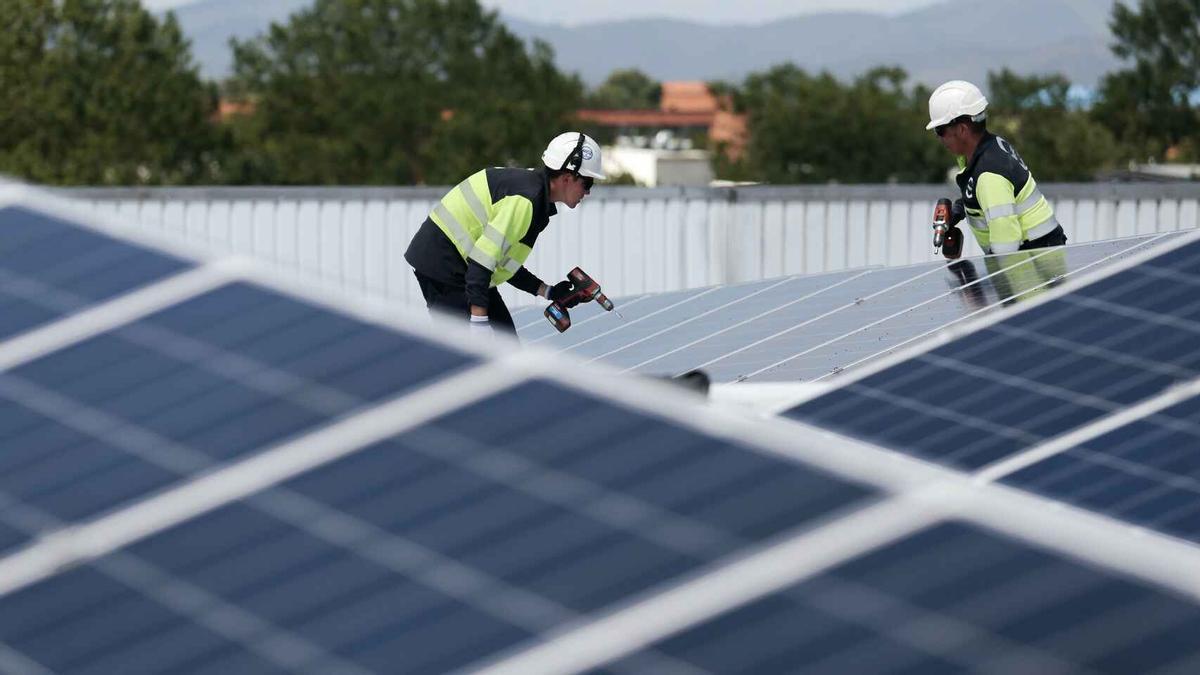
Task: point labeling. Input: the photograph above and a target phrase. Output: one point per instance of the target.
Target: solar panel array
(1088, 397)
(809, 328)
(213, 472)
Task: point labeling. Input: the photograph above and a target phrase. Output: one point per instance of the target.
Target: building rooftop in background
(685, 106)
(688, 97)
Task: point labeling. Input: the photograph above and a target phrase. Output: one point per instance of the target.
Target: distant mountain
(964, 38)
(210, 24)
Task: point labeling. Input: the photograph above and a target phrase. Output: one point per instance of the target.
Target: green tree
(100, 92)
(1150, 106)
(1059, 142)
(629, 89)
(394, 91)
(812, 129)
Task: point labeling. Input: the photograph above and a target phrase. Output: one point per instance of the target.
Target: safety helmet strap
(574, 161)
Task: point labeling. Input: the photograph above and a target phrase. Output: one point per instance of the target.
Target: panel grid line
(831, 312)
(986, 319)
(246, 477)
(946, 294)
(690, 319)
(1078, 437)
(974, 315)
(748, 321)
(930, 632)
(581, 496)
(624, 304)
(623, 630)
(238, 625)
(112, 314)
(638, 320)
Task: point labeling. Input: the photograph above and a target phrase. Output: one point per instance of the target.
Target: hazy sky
(709, 11)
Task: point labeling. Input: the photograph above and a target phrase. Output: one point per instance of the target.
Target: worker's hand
(952, 244)
(561, 291)
(479, 328)
(957, 212)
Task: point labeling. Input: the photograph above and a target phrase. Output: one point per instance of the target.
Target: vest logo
(969, 191)
(587, 153)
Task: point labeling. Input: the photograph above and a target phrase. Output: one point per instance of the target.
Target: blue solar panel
(950, 599)
(431, 550)
(1034, 375)
(50, 267)
(129, 411)
(1147, 472)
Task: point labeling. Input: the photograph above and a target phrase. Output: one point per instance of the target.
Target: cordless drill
(585, 289)
(946, 235)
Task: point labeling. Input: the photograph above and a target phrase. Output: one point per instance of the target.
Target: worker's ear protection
(574, 161)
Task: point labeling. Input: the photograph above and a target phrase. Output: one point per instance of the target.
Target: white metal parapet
(634, 240)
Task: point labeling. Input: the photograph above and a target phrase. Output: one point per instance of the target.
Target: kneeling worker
(1000, 199)
(482, 231)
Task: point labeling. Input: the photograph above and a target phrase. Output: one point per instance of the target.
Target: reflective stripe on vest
(457, 230)
(463, 237)
(1042, 229)
(1000, 211)
(1029, 202)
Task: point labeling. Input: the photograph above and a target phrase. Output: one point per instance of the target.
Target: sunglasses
(588, 182)
(941, 131)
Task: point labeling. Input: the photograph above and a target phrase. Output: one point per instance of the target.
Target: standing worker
(482, 231)
(1000, 199)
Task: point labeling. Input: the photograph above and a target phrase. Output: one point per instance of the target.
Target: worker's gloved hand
(563, 290)
(952, 244)
(479, 328)
(957, 212)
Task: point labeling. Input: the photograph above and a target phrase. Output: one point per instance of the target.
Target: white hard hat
(574, 151)
(953, 100)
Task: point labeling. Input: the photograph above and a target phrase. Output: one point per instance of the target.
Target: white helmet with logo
(955, 99)
(574, 151)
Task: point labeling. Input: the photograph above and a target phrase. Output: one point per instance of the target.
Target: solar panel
(218, 473)
(1031, 375)
(481, 542)
(138, 407)
(50, 267)
(810, 328)
(1145, 472)
(951, 598)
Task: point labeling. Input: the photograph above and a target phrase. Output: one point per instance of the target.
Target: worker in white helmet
(1000, 199)
(481, 232)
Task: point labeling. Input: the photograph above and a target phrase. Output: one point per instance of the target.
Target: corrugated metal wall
(633, 240)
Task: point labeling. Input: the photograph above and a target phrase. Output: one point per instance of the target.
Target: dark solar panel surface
(1033, 375)
(1146, 473)
(951, 599)
(50, 268)
(132, 410)
(429, 551)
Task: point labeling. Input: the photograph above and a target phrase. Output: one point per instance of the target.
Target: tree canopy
(1151, 105)
(101, 92)
(394, 92)
(626, 89)
(811, 128)
(1059, 141)
(426, 91)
